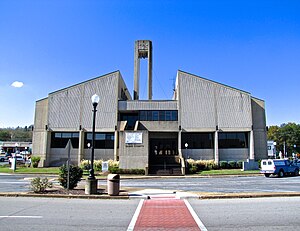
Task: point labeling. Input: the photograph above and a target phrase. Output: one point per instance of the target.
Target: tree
(286, 137)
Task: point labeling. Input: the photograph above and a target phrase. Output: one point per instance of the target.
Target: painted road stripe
(135, 216)
(21, 217)
(195, 216)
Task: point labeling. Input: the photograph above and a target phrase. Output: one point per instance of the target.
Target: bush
(85, 164)
(223, 164)
(232, 164)
(35, 161)
(40, 184)
(116, 170)
(75, 176)
(98, 165)
(239, 164)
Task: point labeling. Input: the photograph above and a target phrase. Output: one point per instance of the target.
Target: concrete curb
(69, 196)
(126, 196)
(248, 195)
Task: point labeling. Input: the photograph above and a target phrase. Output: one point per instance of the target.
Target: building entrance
(163, 154)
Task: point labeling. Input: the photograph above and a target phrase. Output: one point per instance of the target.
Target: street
(233, 184)
(78, 214)
(259, 214)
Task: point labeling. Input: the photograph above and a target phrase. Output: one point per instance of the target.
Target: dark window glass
(143, 115)
(149, 116)
(102, 140)
(162, 115)
(174, 116)
(168, 115)
(60, 139)
(155, 115)
(197, 140)
(233, 140)
(131, 118)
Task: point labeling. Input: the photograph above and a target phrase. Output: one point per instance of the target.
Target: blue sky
(250, 45)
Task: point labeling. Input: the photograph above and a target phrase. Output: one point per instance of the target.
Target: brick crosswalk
(165, 213)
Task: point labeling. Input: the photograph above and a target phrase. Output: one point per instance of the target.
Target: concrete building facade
(204, 120)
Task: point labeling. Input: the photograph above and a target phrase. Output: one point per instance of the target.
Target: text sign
(133, 137)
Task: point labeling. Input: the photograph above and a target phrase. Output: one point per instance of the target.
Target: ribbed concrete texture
(165, 213)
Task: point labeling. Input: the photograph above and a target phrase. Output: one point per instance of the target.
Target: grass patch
(228, 172)
(50, 170)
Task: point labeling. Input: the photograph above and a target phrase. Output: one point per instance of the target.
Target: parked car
(279, 167)
(19, 158)
(2, 158)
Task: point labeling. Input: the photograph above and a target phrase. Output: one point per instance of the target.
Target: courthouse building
(204, 120)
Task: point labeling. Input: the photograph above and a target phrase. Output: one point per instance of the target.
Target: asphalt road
(77, 214)
(236, 184)
(259, 214)
(65, 214)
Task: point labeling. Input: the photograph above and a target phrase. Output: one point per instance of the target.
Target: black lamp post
(95, 101)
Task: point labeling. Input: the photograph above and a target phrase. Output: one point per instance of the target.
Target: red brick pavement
(165, 213)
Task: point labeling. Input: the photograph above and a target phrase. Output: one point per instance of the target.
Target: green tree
(286, 135)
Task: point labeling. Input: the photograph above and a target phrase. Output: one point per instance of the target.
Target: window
(233, 140)
(158, 115)
(60, 139)
(102, 140)
(197, 140)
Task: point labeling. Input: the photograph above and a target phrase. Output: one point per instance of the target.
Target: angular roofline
(258, 98)
(85, 82)
(208, 80)
(41, 99)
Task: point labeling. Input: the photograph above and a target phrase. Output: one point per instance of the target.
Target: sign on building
(133, 137)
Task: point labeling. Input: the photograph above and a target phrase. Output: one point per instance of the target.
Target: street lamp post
(91, 185)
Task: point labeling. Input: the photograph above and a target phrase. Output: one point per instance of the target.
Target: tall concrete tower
(142, 50)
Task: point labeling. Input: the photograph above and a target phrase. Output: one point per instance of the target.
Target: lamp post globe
(95, 99)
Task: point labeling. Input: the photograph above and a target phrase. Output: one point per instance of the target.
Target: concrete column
(179, 144)
(116, 141)
(216, 151)
(251, 147)
(45, 150)
(136, 72)
(150, 71)
(80, 147)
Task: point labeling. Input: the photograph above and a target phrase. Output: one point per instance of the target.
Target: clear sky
(47, 45)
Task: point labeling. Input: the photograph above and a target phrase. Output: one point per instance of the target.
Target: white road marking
(195, 216)
(21, 217)
(135, 216)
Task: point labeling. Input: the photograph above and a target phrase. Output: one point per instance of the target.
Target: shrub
(223, 164)
(239, 164)
(75, 176)
(136, 171)
(232, 164)
(35, 161)
(40, 184)
(201, 164)
(85, 164)
(98, 165)
(112, 164)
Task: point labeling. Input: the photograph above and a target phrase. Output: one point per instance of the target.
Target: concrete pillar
(142, 49)
(179, 144)
(116, 141)
(216, 151)
(150, 71)
(80, 147)
(46, 150)
(251, 147)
